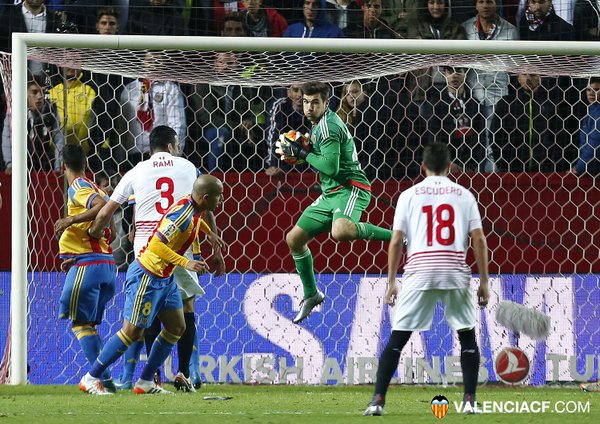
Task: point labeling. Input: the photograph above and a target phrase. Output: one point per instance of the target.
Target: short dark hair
(108, 11)
(236, 17)
(161, 137)
(74, 157)
(35, 80)
(312, 88)
(436, 157)
(594, 80)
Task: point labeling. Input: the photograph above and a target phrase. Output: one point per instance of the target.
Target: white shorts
(187, 281)
(415, 308)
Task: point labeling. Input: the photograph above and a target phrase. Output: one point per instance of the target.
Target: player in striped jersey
(150, 290)
(90, 267)
(438, 218)
(346, 191)
(153, 185)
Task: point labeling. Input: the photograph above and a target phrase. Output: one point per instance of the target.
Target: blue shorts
(88, 288)
(147, 295)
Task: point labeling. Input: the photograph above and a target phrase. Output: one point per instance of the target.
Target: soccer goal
(541, 219)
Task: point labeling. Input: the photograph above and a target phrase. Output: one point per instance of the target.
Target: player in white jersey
(155, 184)
(438, 218)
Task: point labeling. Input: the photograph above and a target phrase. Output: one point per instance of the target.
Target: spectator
(563, 8)
(362, 110)
(314, 24)
(231, 118)
(263, 21)
(155, 17)
(285, 114)
(488, 87)
(343, 13)
(76, 116)
(456, 121)
(540, 22)
(106, 106)
(234, 25)
(589, 136)
(44, 137)
(30, 16)
(84, 13)
(586, 20)
(529, 130)
(147, 104)
(398, 12)
(372, 25)
(432, 22)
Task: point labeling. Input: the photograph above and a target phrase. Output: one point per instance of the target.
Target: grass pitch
(283, 404)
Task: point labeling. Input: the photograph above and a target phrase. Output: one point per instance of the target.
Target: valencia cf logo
(512, 365)
(439, 406)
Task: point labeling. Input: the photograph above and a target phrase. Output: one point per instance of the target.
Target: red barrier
(536, 223)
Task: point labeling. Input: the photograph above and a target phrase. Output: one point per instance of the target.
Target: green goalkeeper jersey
(334, 154)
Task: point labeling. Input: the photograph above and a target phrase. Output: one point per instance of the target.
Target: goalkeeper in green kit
(346, 191)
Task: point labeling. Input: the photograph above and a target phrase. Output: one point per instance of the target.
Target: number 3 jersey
(436, 217)
(154, 185)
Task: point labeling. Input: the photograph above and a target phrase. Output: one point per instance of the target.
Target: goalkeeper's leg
(297, 240)
(469, 363)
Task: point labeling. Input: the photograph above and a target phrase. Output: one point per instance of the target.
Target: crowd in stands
(493, 121)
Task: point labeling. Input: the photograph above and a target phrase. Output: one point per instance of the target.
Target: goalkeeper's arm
(326, 162)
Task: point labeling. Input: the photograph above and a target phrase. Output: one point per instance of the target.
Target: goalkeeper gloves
(291, 149)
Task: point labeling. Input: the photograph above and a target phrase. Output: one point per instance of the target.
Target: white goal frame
(22, 41)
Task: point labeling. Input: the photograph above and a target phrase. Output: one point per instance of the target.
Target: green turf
(276, 404)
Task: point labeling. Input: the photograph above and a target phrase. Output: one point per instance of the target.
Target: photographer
(45, 140)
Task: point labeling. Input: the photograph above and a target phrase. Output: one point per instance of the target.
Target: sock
(195, 358)
(469, 361)
(162, 347)
(185, 345)
(368, 231)
(388, 363)
(113, 349)
(90, 343)
(131, 358)
(304, 266)
(151, 334)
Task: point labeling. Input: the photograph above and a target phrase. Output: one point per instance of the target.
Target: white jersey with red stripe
(154, 185)
(436, 217)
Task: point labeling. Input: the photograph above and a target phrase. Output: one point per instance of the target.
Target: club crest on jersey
(169, 230)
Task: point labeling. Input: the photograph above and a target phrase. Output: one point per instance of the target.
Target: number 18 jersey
(154, 185)
(436, 216)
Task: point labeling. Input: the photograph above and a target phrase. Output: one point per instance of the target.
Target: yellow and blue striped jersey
(74, 241)
(177, 229)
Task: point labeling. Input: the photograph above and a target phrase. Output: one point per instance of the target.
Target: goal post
(371, 59)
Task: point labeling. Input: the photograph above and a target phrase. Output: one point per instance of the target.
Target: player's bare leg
(297, 240)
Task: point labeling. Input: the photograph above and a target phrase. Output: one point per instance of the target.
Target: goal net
(230, 99)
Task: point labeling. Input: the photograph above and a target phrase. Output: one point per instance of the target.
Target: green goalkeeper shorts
(348, 202)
